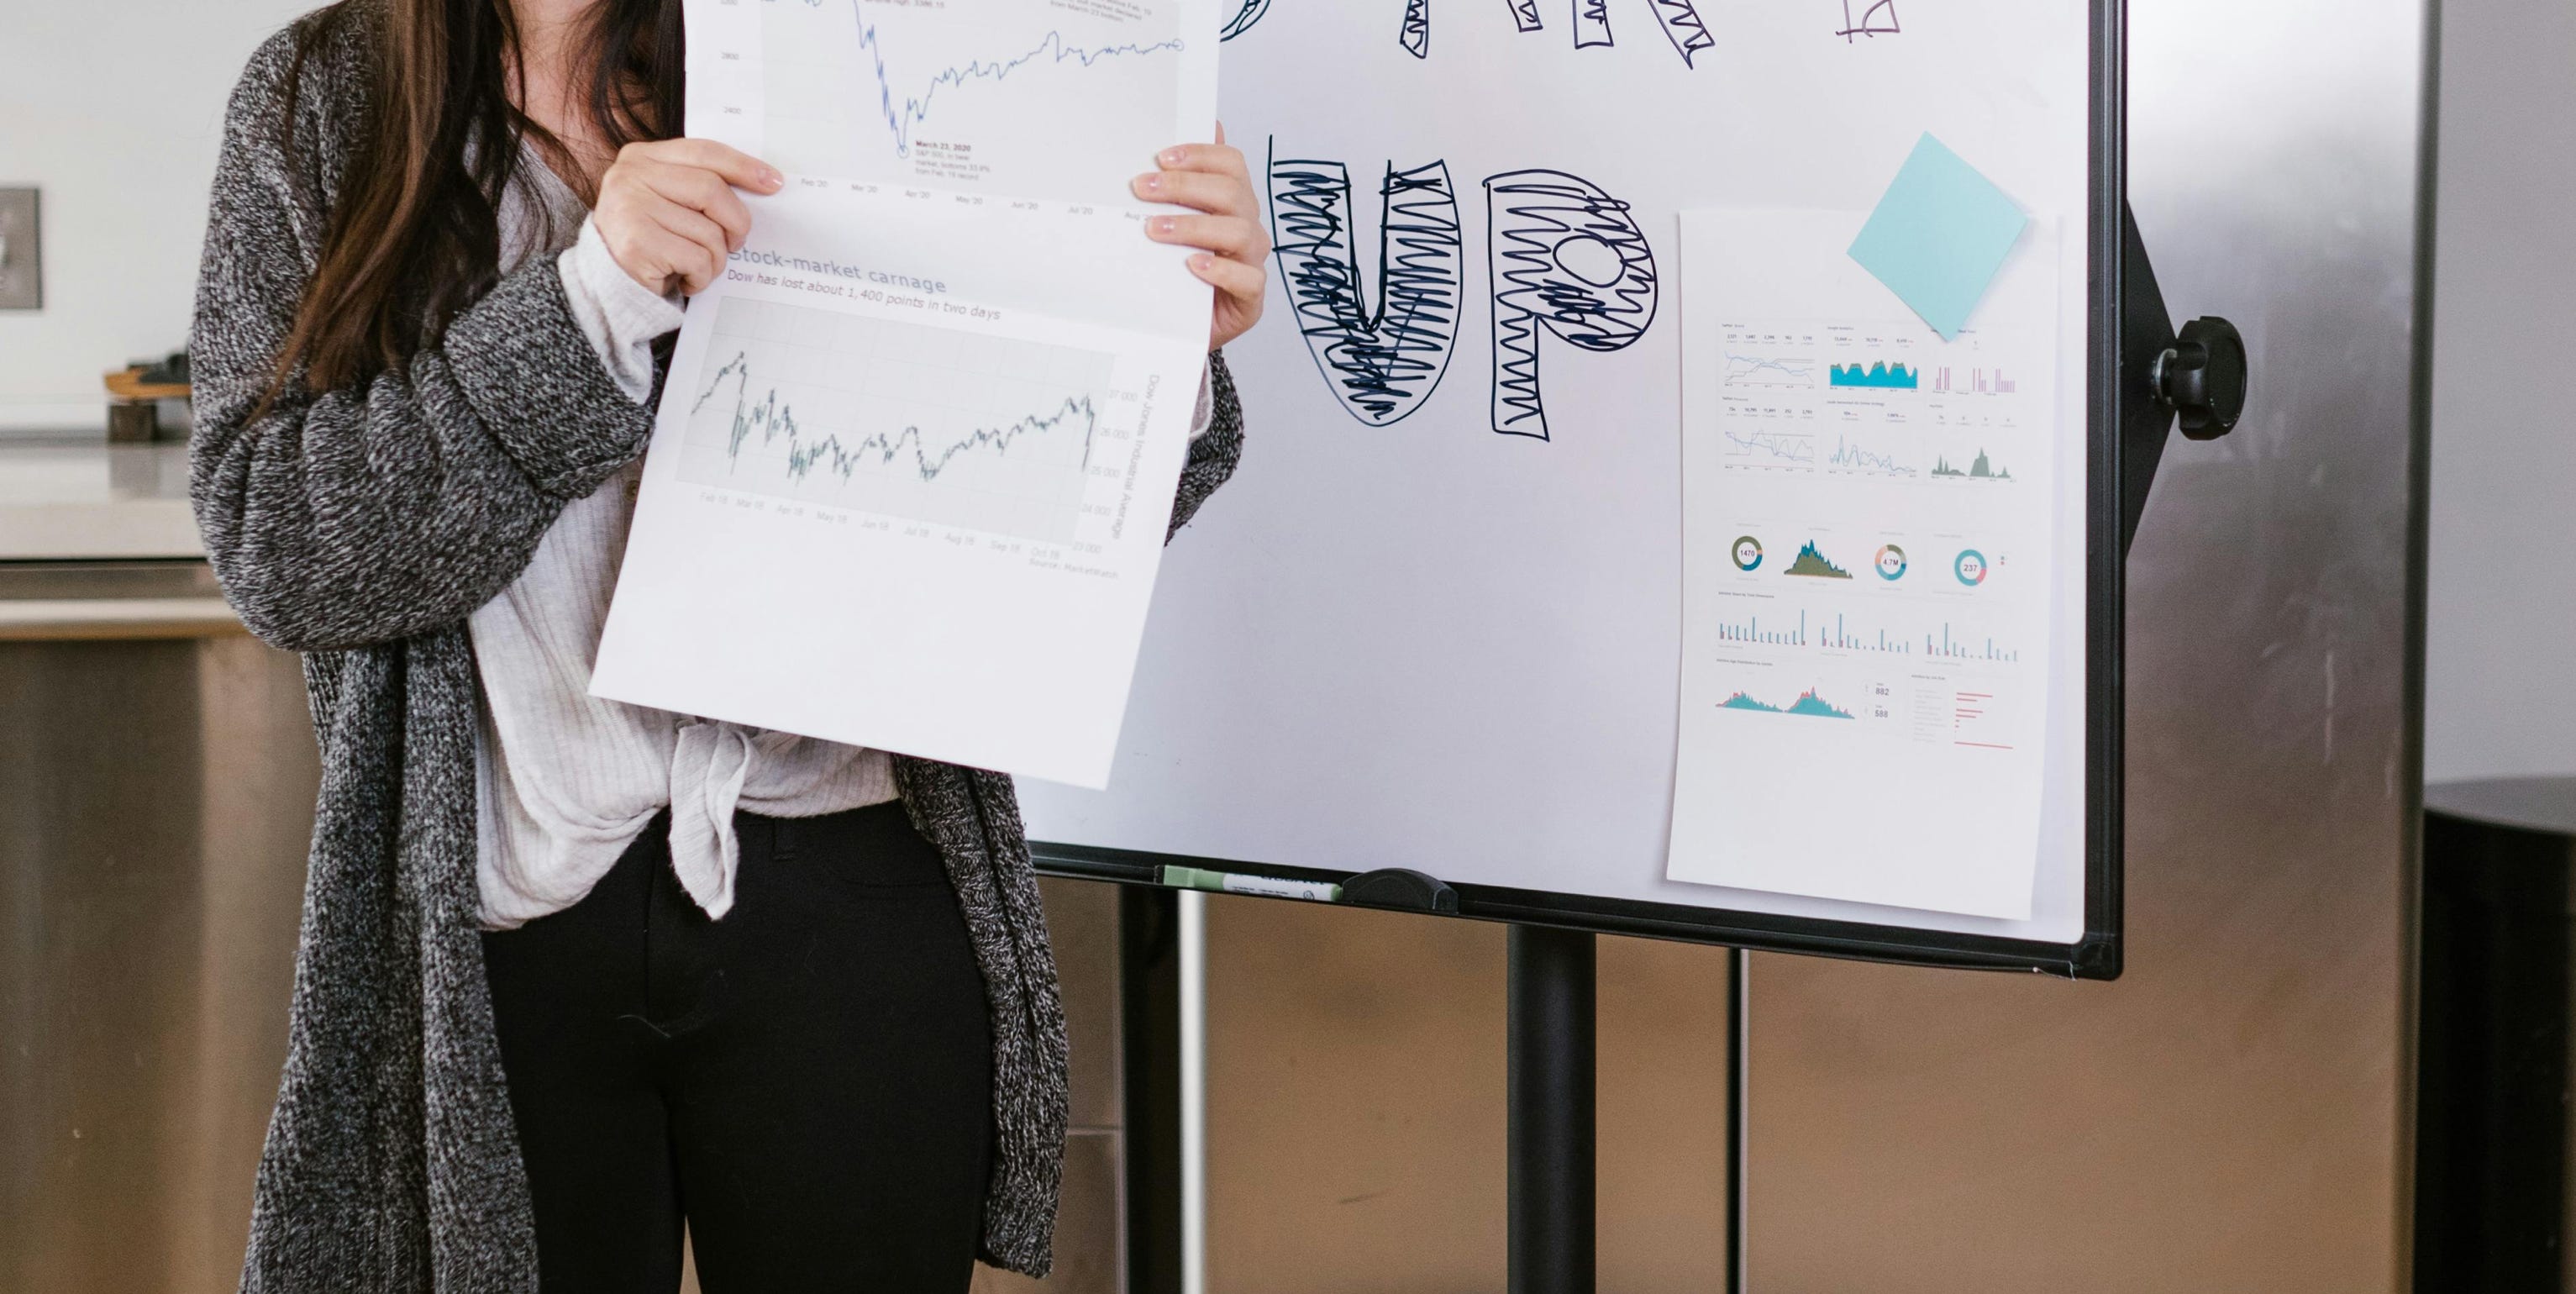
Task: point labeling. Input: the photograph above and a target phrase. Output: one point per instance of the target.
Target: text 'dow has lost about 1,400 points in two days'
(913, 421)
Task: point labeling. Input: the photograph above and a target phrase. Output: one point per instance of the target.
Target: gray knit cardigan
(360, 526)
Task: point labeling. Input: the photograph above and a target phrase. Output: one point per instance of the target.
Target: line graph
(916, 110)
(906, 420)
(1769, 370)
(775, 420)
(1853, 456)
(1033, 98)
(1793, 450)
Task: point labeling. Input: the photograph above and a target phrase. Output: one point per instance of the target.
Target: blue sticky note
(1939, 236)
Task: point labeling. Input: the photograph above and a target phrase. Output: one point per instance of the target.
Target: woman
(446, 237)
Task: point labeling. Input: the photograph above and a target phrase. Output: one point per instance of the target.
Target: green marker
(1199, 878)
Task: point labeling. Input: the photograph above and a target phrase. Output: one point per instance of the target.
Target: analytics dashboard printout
(915, 456)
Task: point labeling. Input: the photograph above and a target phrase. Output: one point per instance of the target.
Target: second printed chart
(914, 421)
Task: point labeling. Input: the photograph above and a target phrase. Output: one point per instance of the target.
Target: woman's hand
(669, 214)
(1213, 179)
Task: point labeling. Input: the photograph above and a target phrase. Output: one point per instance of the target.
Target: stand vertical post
(1739, 1058)
(1149, 1009)
(1552, 1104)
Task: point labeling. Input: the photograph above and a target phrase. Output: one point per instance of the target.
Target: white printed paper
(916, 454)
(1868, 571)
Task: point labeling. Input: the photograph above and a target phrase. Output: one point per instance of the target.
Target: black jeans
(807, 1081)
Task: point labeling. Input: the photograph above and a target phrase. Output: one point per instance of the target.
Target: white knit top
(564, 780)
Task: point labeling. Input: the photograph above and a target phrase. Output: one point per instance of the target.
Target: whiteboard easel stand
(2195, 377)
(1553, 1043)
(1552, 1105)
(1551, 1034)
(1739, 1052)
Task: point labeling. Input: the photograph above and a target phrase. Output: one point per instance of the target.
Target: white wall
(2503, 573)
(115, 109)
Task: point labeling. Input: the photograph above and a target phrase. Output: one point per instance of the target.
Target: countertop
(86, 499)
(2531, 803)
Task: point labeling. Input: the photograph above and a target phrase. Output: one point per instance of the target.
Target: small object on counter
(172, 367)
(134, 396)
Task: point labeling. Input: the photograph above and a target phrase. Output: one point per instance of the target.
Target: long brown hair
(414, 234)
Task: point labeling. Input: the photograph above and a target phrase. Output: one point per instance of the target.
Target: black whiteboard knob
(2202, 375)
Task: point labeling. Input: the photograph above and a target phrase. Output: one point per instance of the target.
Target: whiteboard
(1401, 637)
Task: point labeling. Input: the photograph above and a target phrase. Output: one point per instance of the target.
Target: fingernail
(769, 175)
(1173, 156)
(1151, 183)
(1202, 261)
(1162, 224)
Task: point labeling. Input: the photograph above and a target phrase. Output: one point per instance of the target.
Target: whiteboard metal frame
(2098, 953)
